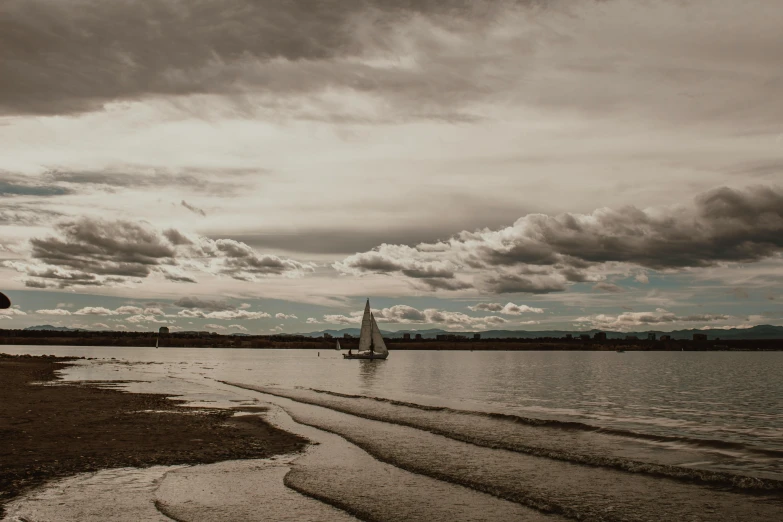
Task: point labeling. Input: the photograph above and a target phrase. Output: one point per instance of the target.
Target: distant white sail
(379, 347)
(365, 337)
(338, 346)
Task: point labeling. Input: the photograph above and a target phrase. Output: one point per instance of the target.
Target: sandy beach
(51, 432)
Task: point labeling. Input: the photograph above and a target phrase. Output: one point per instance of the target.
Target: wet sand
(51, 432)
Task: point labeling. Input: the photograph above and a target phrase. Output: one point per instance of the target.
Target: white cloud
(312, 320)
(627, 320)
(238, 327)
(55, 311)
(215, 326)
(12, 311)
(507, 309)
(284, 316)
(224, 314)
(140, 318)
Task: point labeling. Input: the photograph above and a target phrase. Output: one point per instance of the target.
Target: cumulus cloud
(55, 311)
(101, 310)
(507, 309)
(215, 326)
(223, 314)
(541, 253)
(285, 316)
(94, 252)
(404, 314)
(95, 310)
(340, 319)
(7, 312)
(238, 327)
(627, 320)
(312, 320)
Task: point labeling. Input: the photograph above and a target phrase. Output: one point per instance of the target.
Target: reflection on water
(369, 371)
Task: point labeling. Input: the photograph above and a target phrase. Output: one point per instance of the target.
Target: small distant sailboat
(338, 346)
(157, 339)
(371, 345)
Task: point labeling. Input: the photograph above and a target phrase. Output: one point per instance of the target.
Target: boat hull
(363, 356)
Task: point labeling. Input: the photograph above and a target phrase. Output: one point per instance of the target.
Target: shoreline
(52, 432)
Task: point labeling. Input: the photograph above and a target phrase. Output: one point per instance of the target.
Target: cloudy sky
(244, 166)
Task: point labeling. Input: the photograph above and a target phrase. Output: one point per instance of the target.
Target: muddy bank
(55, 431)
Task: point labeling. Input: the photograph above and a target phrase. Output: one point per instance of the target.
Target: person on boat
(349, 351)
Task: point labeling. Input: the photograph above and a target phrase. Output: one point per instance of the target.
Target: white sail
(338, 346)
(365, 337)
(379, 347)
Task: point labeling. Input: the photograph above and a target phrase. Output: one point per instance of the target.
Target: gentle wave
(573, 425)
(739, 482)
(547, 485)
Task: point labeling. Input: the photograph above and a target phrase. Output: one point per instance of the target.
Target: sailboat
(371, 345)
(338, 346)
(157, 339)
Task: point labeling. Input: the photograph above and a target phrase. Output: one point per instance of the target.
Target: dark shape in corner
(4, 301)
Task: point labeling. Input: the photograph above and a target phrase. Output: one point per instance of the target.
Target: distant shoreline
(147, 340)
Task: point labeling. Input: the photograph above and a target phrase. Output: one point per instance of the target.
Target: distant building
(327, 335)
(699, 337)
(584, 337)
(666, 338)
(476, 337)
(651, 336)
(569, 336)
(347, 336)
(441, 337)
(163, 330)
(600, 336)
(406, 337)
(418, 337)
(631, 338)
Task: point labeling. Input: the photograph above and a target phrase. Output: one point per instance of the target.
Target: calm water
(574, 434)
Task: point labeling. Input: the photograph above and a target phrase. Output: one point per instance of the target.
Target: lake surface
(573, 434)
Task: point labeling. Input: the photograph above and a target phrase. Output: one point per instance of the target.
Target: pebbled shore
(50, 432)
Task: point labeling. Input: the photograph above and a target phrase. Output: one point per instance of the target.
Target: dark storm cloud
(241, 262)
(175, 237)
(444, 284)
(97, 252)
(512, 283)
(59, 58)
(538, 253)
(104, 247)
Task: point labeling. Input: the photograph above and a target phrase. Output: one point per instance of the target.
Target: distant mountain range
(51, 328)
(764, 331)
(757, 332)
